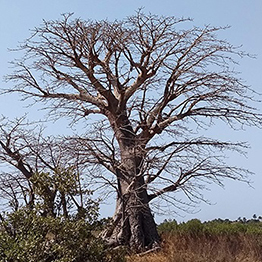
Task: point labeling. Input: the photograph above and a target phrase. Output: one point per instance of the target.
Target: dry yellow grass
(186, 248)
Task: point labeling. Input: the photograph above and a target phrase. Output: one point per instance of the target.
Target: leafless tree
(40, 172)
(151, 87)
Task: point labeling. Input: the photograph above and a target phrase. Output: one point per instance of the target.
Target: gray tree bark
(133, 223)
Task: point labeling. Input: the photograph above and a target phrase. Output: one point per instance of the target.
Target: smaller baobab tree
(150, 84)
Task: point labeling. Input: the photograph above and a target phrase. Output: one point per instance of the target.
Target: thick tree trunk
(133, 223)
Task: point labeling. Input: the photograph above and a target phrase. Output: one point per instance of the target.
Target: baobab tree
(143, 86)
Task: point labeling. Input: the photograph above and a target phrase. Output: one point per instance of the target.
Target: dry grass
(204, 248)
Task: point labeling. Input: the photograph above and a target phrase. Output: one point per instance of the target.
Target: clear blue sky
(245, 19)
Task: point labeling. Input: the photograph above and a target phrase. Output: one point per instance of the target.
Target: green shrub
(168, 226)
(225, 228)
(25, 236)
(193, 227)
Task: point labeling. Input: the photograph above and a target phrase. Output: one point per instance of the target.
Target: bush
(216, 228)
(168, 226)
(25, 236)
(193, 227)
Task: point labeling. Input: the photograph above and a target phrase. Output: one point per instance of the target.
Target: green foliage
(194, 227)
(25, 236)
(63, 179)
(49, 188)
(168, 226)
(226, 228)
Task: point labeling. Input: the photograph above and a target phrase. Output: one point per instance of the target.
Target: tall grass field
(214, 241)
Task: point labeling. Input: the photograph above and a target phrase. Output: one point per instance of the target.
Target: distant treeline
(216, 226)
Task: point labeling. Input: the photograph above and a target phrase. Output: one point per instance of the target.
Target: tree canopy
(145, 86)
